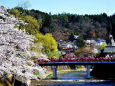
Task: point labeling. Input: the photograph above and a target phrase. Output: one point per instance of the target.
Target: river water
(77, 79)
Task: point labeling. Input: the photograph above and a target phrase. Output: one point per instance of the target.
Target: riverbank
(50, 82)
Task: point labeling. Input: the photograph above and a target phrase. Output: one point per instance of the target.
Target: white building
(90, 41)
(100, 42)
(67, 45)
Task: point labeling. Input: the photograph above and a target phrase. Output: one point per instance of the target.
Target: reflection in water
(82, 84)
(73, 75)
(78, 76)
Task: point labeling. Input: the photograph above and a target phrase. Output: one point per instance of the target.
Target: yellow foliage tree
(32, 26)
(15, 12)
(49, 44)
(102, 46)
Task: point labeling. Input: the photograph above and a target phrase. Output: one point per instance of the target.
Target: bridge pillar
(54, 70)
(88, 67)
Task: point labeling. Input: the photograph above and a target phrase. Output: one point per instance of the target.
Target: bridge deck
(88, 62)
(73, 63)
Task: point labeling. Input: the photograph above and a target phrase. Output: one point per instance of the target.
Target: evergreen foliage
(102, 24)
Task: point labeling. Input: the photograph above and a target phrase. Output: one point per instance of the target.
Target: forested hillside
(64, 25)
(32, 27)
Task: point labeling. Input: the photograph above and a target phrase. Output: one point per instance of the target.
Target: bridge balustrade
(76, 60)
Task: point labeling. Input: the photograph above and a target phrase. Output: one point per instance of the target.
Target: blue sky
(68, 6)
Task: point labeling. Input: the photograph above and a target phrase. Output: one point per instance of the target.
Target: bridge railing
(76, 60)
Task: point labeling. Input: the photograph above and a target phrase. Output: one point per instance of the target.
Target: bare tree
(25, 4)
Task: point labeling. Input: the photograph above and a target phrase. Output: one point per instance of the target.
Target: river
(77, 79)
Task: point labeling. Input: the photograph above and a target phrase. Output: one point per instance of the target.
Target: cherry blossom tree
(15, 49)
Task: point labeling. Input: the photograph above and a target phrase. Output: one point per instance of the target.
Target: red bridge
(82, 61)
(88, 62)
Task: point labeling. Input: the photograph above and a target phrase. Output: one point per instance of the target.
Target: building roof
(98, 41)
(109, 49)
